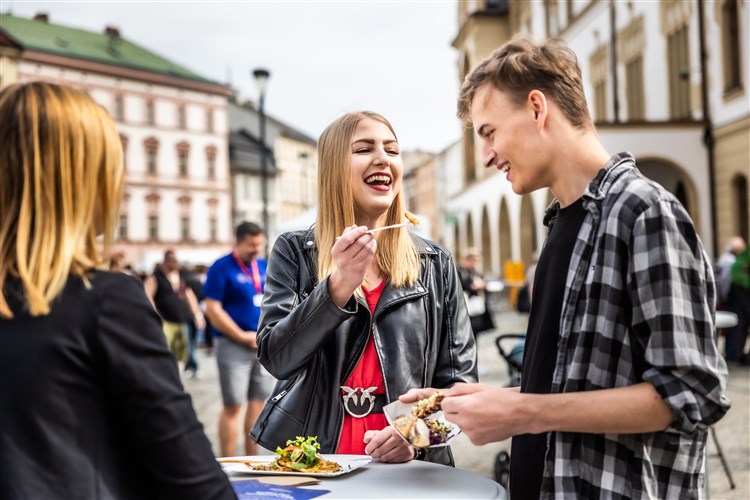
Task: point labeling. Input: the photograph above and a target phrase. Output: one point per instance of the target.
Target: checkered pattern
(638, 306)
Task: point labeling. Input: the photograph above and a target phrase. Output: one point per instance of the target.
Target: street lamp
(261, 79)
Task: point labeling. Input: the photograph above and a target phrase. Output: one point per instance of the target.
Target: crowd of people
(622, 376)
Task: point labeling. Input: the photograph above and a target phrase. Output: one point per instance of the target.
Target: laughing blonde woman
(351, 319)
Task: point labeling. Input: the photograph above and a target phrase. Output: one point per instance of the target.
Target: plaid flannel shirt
(639, 305)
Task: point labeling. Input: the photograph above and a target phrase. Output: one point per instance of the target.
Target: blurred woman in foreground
(92, 405)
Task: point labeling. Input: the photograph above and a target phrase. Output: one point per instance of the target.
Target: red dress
(366, 374)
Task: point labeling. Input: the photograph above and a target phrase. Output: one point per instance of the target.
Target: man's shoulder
(222, 261)
(635, 193)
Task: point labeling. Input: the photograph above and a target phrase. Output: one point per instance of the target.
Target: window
(634, 89)
(598, 62)
(730, 34)
(150, 120)
(209, 120)
(212, 229)
(183, 155)
(183, 162)
(211, 162)
(553, 18)
(152, 148)
(741, 205)
(153, 227)
(679, 73)
(124, 142)
(119, 108)
(185, 228)
(181, 117)
(123, 227)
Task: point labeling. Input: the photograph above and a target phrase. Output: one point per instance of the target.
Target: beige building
(291, 168)
(173, 126)
(685, 118)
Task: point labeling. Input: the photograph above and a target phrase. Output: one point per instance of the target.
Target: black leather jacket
(422, 336)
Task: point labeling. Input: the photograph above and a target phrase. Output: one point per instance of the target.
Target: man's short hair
(522, 65)
(247, 229)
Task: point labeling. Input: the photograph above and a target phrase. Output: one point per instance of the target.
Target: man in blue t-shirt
(234, 292)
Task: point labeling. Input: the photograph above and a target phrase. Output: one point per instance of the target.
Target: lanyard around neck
(255, 276)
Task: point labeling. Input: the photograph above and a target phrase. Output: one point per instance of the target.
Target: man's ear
(538, 105)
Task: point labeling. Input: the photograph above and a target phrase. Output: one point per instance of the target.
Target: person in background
(729, 297)
(621, 373)
(92, 405)
(474, 287)
(176, 304)
(233, 293)
(352, 318)
(740, 297)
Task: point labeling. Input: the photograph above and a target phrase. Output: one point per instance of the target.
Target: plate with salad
(300, 457)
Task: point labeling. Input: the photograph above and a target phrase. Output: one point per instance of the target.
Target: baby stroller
(510, 346)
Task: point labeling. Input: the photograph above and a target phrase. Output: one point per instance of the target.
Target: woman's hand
(387, 446)
(352, 253)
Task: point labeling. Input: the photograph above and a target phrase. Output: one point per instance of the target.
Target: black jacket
(91, 404)
(422, 336)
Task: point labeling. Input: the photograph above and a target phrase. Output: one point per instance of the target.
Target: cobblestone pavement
(733, 431)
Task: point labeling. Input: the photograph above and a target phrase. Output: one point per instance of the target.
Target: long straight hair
(396, 255)
(61, 167)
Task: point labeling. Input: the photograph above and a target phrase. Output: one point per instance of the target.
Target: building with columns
(173, 126)
(667, 81)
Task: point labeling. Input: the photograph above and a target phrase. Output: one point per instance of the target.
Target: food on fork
(300, 455)
(410, 217)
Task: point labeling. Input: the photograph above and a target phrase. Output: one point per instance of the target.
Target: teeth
(378, 178)
(505, 167)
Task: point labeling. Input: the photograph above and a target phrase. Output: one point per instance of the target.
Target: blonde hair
(522, 65)
(62, 175)
(396, 255)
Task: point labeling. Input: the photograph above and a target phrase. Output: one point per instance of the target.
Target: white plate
(396, 409)
(347, 462)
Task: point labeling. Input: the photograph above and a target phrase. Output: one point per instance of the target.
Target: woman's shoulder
(426, 246)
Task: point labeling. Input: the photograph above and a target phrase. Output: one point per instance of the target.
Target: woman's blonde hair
(61, 167)
(396, 255)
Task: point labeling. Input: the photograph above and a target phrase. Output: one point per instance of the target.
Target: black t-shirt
(528, 450)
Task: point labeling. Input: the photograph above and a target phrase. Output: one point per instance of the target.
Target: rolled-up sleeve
(673, 307)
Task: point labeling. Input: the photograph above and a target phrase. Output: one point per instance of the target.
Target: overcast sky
(325, 57)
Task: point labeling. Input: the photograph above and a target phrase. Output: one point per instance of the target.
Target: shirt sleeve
(672, 291)
(215, 284)
(143, 386)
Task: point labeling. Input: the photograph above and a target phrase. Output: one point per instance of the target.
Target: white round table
(415, 479)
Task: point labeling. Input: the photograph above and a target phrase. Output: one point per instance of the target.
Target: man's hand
(414, 395)
(250, 339)
(387, 446)
(486, 414)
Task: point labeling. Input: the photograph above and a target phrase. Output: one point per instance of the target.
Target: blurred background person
(92, 405)
(728, 296)
(233, 292)
(177, 305)
(739, 297)
(474, 287)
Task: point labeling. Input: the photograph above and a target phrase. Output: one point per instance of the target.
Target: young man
(621, 375)
(233, 292)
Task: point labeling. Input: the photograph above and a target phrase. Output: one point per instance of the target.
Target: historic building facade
(685, 117)
(173, 126)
